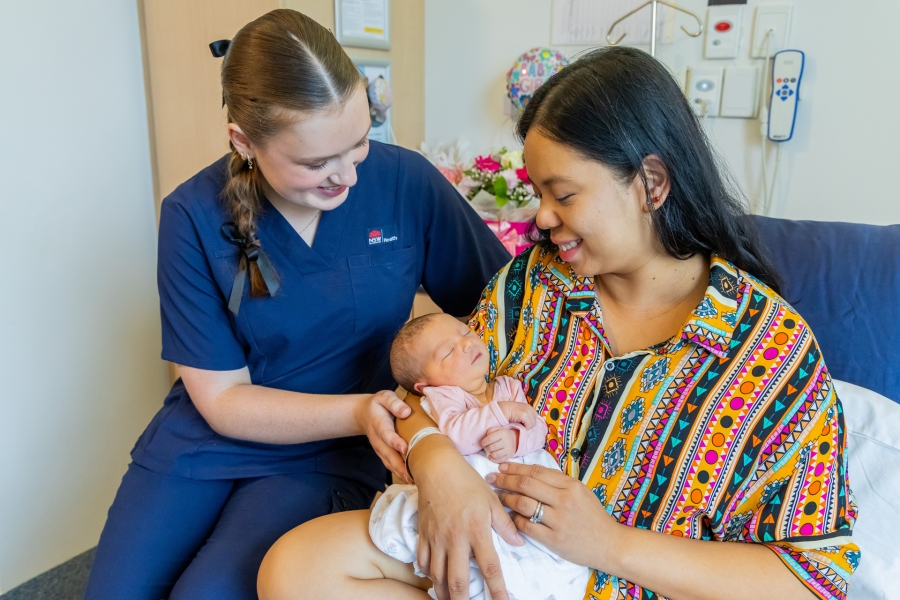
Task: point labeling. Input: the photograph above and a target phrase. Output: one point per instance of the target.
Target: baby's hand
(519, 412)
(499, 443)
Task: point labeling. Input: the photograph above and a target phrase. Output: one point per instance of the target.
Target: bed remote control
(787, 71)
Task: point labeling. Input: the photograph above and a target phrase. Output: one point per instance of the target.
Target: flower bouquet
(496, 184)
(502, 175)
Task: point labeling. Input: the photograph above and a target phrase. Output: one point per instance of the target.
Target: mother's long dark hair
(619, 105)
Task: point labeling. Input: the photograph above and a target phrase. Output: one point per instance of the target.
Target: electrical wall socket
(776, 17)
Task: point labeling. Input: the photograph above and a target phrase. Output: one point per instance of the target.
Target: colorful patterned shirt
(730, 431)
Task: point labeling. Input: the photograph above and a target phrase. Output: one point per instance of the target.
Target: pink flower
(487, 163)
(522, 174)
(453, 175)
(511, 179)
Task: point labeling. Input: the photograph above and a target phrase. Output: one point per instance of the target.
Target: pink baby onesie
(464, 419)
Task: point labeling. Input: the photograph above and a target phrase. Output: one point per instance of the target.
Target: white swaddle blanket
(531, 572)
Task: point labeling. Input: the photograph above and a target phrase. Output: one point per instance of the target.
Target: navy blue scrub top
(329, 327)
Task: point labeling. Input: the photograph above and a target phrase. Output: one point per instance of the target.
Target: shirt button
(610, 365)
(576, 453)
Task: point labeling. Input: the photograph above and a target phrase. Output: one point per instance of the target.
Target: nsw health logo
(380, 236)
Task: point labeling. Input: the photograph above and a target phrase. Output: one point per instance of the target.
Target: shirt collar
(558, 275)
(711, 325)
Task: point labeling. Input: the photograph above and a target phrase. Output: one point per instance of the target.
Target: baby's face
(452, 354)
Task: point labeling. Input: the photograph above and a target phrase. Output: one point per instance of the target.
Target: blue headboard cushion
(844, 280)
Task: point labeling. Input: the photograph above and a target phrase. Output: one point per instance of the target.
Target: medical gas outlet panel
(733, 90)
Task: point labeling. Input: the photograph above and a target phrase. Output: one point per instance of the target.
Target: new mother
(284, 270)
(687, 403)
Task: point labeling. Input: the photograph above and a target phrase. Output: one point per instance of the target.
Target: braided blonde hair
(280, 63)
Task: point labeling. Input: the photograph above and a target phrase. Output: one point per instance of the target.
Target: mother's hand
(457, 510)
(375, 416)
(574, 524)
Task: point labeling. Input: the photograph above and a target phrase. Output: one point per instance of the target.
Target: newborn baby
(490, 422)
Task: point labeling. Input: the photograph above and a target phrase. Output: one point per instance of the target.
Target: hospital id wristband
(418, 437)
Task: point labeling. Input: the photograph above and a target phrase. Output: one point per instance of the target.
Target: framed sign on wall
(373, 68)
(363, 23)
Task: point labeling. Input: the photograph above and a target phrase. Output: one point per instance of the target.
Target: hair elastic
(219, 48)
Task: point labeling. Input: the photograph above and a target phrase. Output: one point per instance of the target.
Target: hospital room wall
(838, 167)
(78, 309)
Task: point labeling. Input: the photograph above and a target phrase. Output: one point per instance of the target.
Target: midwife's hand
(457, 510)
(518, 412)
(375, 417)
(500, 444)
(574, 524)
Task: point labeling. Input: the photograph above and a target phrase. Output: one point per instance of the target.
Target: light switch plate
(740, 93)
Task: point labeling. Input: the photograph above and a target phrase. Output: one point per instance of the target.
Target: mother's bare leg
(334, 557)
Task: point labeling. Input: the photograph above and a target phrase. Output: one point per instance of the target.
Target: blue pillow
(844, 279)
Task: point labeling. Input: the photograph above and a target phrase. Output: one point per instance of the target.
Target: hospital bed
(844, 279)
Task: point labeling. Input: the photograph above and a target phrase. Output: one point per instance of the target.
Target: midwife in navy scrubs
(285, 268)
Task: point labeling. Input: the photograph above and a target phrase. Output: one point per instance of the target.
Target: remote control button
(790, 92)
(778, 80)
(784, 97)
(723, 26)
(793, 79)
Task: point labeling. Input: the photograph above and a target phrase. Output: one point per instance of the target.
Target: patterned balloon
(530, 71)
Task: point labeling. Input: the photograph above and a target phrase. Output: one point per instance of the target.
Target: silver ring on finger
(538, 513)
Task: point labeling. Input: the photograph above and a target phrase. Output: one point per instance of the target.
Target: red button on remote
(778, 80)
(723, 26)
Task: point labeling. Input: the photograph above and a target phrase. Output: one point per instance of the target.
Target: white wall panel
(80, 374)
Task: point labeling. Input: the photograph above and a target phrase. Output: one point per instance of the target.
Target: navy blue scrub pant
(170, 537)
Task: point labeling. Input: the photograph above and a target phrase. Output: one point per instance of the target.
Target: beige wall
(188, 123)
(185, 97)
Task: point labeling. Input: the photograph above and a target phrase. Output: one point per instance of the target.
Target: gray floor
(65, 582)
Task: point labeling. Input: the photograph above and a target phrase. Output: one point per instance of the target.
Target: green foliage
(501, 189)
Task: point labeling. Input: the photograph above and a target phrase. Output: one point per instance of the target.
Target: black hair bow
(219, 48)
(251, 253)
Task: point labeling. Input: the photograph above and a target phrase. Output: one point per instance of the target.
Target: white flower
(512, 160)
(466, 186)
(450, 155)
(512, 180)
